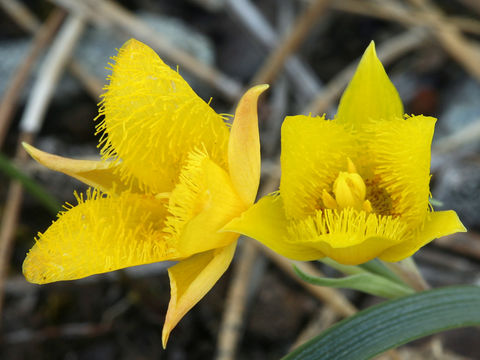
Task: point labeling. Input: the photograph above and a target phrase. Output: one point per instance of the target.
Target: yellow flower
(171, 176)
(356, 187)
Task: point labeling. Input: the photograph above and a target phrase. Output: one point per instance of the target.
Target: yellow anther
(328, 201)
(349, 190)
(367, 206)
(351, 166)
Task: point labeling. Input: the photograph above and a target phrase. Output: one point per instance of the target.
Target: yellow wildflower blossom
(356, 187)
(172, 175)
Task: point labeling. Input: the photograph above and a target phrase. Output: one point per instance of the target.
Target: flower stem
(408, 271)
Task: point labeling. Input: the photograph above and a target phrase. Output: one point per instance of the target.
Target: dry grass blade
(112, 13)
(303, 79)
(235, 306)
(20, 13)
(335, 299)
(389, 11)
(233, 315)
(31, 122)
(276, 60)
(9, 220)
(13, 92)
(321, 321)
(472, 4)
(49, 74)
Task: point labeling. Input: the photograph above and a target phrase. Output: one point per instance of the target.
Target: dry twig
(31, 122)
(303, 79)
(448, 33)
(21, 14)
(235, 305)
(276, 60)
(386, 10)
(465, 52)
(19, 79)
(106, 11)
(324, 318)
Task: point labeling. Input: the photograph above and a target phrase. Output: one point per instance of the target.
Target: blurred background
(53, 56)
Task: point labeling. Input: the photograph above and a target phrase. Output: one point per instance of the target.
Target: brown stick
(335, 299)
(322, 320)
(20, 13)
(112, 13)
(385, 10)
(12, 94)
(472, 4)
(302, 78)
(235, 305)
(274, 63)
(30, 124)
(10, 219)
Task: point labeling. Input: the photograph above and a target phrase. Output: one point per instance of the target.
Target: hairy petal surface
(370, 94)
(191, 279)
(98, 174)
(400, 155)
(349, 236)
(313, 152)
(98, 235)
(244, 146)
(201, 204)
(153, 119)
(438, 224)
(265, 221)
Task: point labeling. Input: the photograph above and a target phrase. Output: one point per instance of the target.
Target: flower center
(349, 191)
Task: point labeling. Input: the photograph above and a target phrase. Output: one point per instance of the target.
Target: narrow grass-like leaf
(393, 323)
(29, 184)
(366, 282)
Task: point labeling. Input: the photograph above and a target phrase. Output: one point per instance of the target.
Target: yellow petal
(357, 254)
(201, 204)
(438, 224)
(265, 221)
(99, 174)
(370, 94)
(314, 151)
(244, 146)
(100, 234)
(190, 280)
(399, 152)
(153, 119)
(348, 236)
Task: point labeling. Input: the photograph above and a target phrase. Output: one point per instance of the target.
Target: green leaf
(393, 323)
(47, 200)
(366, 282)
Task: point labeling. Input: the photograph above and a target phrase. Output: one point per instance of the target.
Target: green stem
(408, 271)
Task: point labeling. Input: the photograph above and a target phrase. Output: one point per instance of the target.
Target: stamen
(349, 191)
(328, 201)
